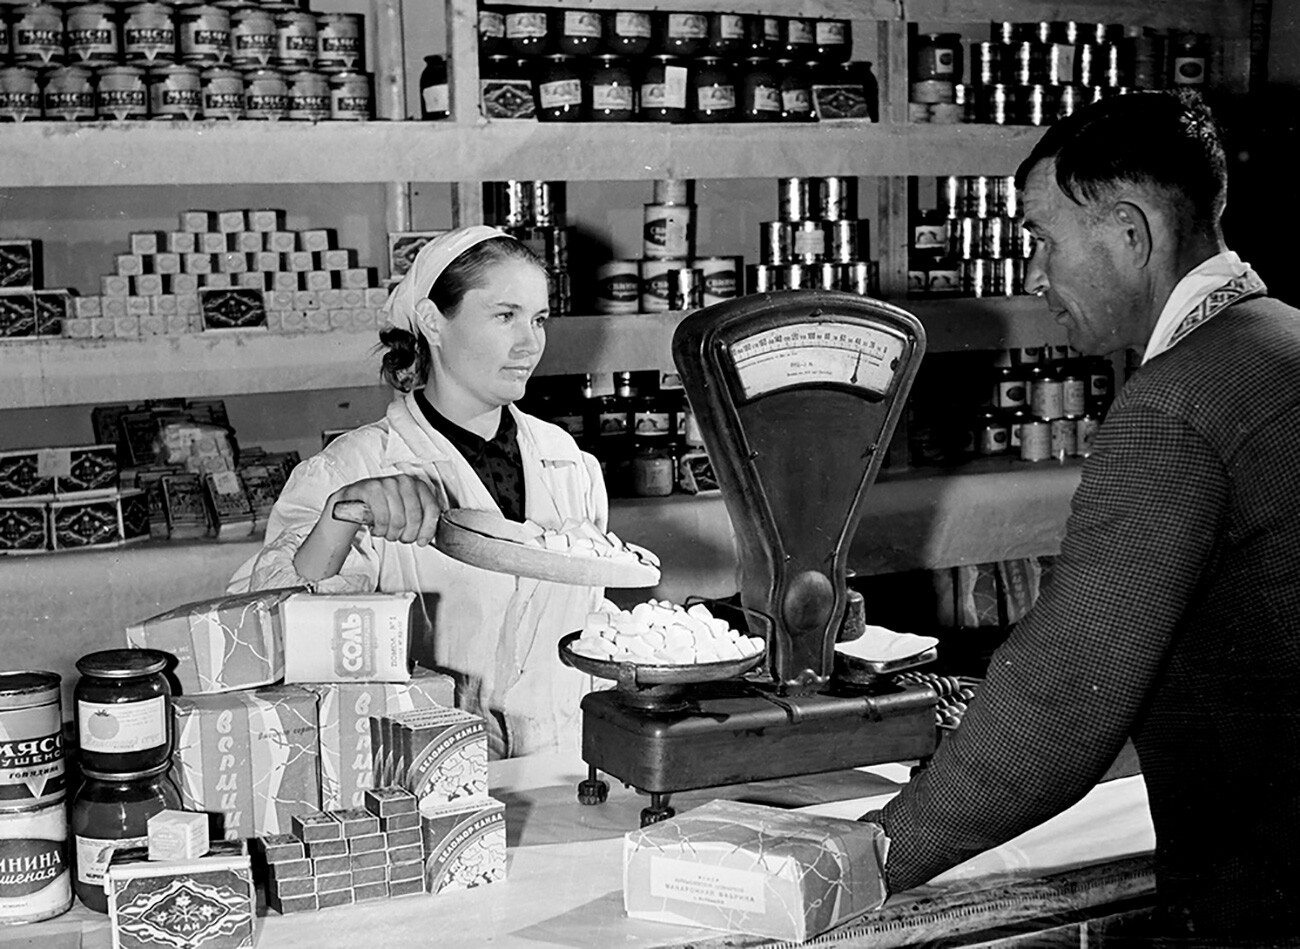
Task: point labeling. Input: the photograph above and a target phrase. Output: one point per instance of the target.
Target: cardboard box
(207, 902)
(346, 764)
(746, 868)
(464, 844)
(349, 638)
(439, 756)
(224, 644)
(249, 756)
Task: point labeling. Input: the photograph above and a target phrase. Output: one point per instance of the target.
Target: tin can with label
(149, 33)
(350, 97)
(836, 198)
(223, 93)
(685, 289)
(266, 95)
(254, 38)
(796, 277)
(975, 277)
(120, 93)
(721, 276)
(763, 278)
(546, 199)
(509, 203)
(1035, 440)
(20, 94)
(1085, 431)
(618, 287)
(341, 42)
(91, 34)
(993, 104)
(297, 35)
(309, 95)
(34, 837)
(69, 94)
(668, 230)
(993, 231)
(992, 434)
(1074, 394)
(204, 34)
(963, 238)
(794, 198)
(32, 772)
(808, 242)
(1063, 437)
(824, 276)
(175, 92)
(38, 34)
(986, 63)
(861, 277)
(776, 242)
(1046, 397)
(846, 241)
(938, 56)
(655, 282)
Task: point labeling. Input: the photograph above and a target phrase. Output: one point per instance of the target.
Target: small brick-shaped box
(207, 902)
(356, 822)
(310, 828)
(178, 835)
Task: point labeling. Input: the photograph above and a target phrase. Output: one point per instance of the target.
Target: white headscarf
(433, 258)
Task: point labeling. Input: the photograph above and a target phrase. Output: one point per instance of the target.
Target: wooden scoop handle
(354, 512)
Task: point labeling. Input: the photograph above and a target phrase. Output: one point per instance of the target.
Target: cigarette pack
(347, 754)
(20, 264)
(207, 902)
(346, 638)
(234, 308)
(23, 477)
(17, 314)
(220, 645)
(53, 309)
(464, 843)
(763, 871)
(99, 522)
(249, 756)
(24, 527)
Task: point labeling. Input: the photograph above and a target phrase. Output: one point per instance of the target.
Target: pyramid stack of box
(26, 310)
(223, 270)
(300, 722)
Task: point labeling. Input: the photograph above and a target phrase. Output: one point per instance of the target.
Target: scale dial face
(817, 352)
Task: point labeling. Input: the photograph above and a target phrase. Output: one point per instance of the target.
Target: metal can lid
(149, 6)
(125, 775)
(27, 688)
(122, 663)
(120, 71)
(221, 72)
(346, 17)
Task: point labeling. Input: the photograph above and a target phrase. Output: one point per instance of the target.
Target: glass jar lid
(27, 688)
(118, 776)
(122, 663)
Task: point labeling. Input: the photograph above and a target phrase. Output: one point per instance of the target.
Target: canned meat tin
(794, 198)
(309, 95)
(618, 287)
(685, 289)
(91, 35)
(149, 33)
(762, 278)
(350, 98)
(31, 741)
(175, 92)
(204, 34)
(120, 93)
(341, 42)
(846, 241)
(38, 34)
(861, 277)
(669, 230)
(837, 198)
(721, 278)
(298, 38)
(776, 242)
(223, 93)
(69, 94)
(655, 282)
(266, 95)
(35, 842)
(20, 94)
(808, 241)
(254, 38)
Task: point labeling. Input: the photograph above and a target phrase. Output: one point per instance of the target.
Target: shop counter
(564, 888)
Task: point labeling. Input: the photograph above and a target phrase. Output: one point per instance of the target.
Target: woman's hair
(406, 357)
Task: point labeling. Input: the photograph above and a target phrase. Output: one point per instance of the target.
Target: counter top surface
(565, 866)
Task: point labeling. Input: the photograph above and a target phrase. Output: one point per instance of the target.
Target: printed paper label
(94, 854)
(123, 727)
(726, 887)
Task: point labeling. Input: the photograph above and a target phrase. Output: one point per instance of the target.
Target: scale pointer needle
(853, 379)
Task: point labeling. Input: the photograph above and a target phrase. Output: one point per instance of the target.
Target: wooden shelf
(53, 154)
(56, 371)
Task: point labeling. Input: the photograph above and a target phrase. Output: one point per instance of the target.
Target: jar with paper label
(663, 90)
(760, 92)
(111, 812)
(683, 34)
(715, 91)
(527, 32)
(628, 32)
(433, 89)
(38, 34)
(576, 32)
(800, 38)
(491, 32)
(123, 710)
(1188, 56)
(613, 96)
(834, 39)
(796, 92)
(653, 470)
(91, 35)
(726, 34)
(559, 90)
(149, 33)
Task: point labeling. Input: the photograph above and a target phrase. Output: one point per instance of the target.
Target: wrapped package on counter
(345, 708)
(439, 755)
(349, 638)
(762, 871)
(464, 843)
(249, 756)
(232, 642)
(178, 904)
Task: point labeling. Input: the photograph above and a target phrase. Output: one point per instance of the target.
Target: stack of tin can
(1045, 403)
(1036, 73)
(533, 212)
(223, 60)
(35, 880)
(817, 242)
(973, 244)
(668, 276)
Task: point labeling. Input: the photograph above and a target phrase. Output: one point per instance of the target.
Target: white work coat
(494, 632)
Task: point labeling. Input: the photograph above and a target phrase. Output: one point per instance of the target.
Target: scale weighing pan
(488, 540)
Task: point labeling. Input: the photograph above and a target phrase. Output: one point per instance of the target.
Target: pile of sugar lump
(662, 633)
(581, 538)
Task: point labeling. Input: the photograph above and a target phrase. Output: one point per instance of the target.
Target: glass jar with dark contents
(111, 812)
(760, 91)
(683, 34)
(757, 42)
(123, 706)
(796, 91)
(834, 39)
(726, 35)
(491, 32)
(527, 32)
(715, 91)
(628, 32)
(663, 90)
(613, 95)
(558, 89)
(576, 32)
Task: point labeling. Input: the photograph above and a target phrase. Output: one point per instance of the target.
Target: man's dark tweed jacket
(1173, 616)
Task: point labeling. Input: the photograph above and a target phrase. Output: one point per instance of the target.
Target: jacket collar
(416, 442)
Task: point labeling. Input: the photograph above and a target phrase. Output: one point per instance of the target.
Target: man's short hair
(1167, 141)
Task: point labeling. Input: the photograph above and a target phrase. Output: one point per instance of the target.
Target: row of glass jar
(41, 34)
(537, 32)
(182, 92)
(609, 88)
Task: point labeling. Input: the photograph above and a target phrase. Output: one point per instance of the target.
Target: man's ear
(428, 319)
(1137, 231)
